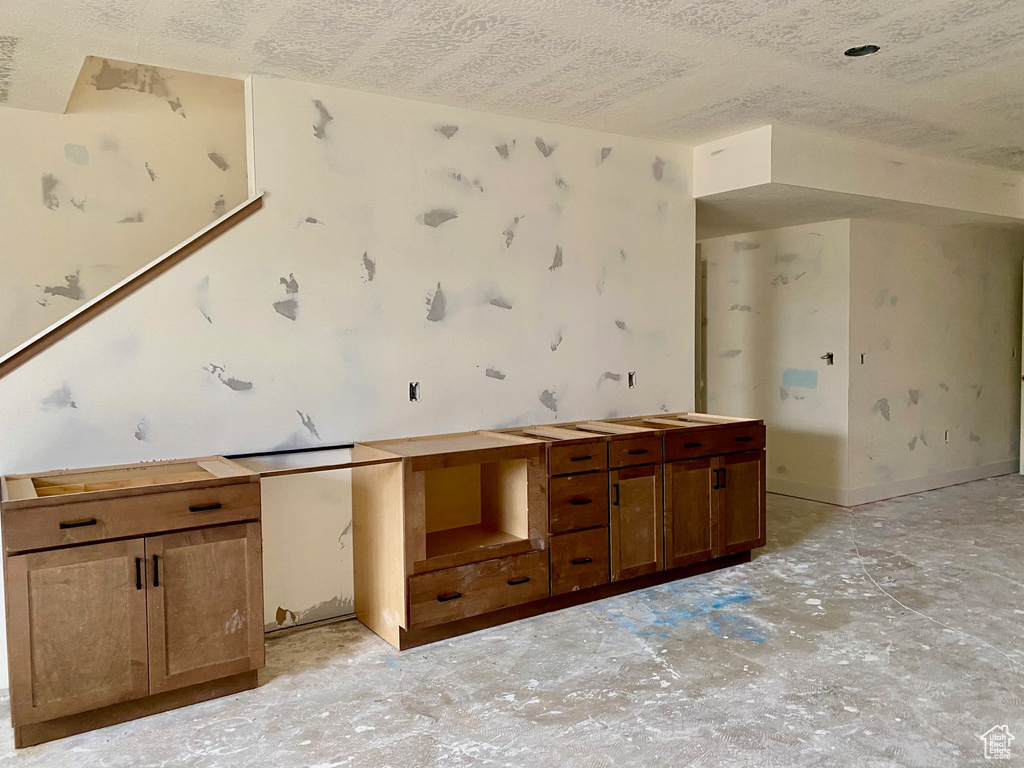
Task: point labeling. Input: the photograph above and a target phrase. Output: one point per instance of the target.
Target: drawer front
(579, 560)
(469, 590)
(578, 457)
(715, 441)
(81, 522)
(578, 501)
(634, 451)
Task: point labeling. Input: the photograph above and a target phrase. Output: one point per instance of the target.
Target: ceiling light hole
(861, 50)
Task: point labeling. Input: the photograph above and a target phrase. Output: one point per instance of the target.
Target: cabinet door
(691, 512)
(205, 600)
(637, 546)
(741, 504)
(77, 629)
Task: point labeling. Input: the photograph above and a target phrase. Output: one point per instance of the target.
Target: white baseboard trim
(854, 497)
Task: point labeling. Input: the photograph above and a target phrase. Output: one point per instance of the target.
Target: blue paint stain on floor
(686, 609)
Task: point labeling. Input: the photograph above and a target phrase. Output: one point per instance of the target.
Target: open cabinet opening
(475, 505)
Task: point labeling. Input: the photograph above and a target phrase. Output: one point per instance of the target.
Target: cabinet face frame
(160, 629)
(707, 510)
(651, 509)
(20, 630)
(725, 463)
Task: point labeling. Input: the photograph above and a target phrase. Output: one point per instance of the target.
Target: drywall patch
(620, 324)
(230, 382)
(912, 444)
(548, 400)
(609, 376)
(369, 268)
(556, 263)
(220, 206)
(798, 377)
(494, 373)
(731, 353)
(72, 288)
(437, 305)
(915, 396)
(605, 151)
(76, 153)
(79, 204)
(131, 77)
(510, 231)
(135, 218)
(545, 149)
(556, 343)
(8, 43)
(502, 150)
(142, 431)
(311, 220)
(881, 297)
(882, 407)
(323, 117)
(436, 217)
(780, 280)
(500, 303)
(465, 180)
(217, 159)
(740, 308)
(59, 398)
(944, 386)
(151, 172)
(49, 185)
(203, 298)
(307, 422)
(447, 130)
(744, 245)
(783, 394)
(175, 105)
(974, 438)
(289, 306)
(658, 168)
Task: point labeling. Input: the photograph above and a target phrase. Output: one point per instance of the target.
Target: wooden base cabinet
(102, 632)
(636, 522)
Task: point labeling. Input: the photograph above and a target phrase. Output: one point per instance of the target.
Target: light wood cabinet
(636, 521)
(102, 632)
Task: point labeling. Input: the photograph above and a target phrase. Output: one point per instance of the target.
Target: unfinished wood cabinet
(636, 521)
(454, 533)
(100, 632)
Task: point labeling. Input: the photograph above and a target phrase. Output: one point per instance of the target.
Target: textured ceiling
(949, 80)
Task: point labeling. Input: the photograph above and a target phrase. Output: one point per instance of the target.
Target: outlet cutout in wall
(862, 358)
(414, 391)
(631, 377)
(947, 437)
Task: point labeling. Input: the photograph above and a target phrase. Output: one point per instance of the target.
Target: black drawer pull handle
(451, 596)
(694, 445)
(581, 560)
(745, 439)
(77, 523)
(156, 571)
(580, 502)
(138, 573)
(206, 507)
(637, 452)
(517, 582)
(615, 486)
(580, 458)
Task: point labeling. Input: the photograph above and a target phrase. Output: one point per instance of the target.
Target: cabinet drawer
(578, 501)
(469, 590)
(634, 451)
(579, 560)
(578, 457)
(714, 441)
(80, 522)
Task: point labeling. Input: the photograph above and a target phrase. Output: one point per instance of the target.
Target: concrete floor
(890, 635)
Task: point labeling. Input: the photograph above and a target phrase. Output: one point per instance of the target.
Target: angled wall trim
(46, 339)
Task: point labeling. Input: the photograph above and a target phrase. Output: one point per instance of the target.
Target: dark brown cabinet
(741, 502)
(691, 514)
(636, 521)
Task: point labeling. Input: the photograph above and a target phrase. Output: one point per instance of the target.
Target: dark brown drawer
(712, 441)
(469, 590)
(79, 522)
(633, 451)
(579, 560)
(572, 458)
(578, 501)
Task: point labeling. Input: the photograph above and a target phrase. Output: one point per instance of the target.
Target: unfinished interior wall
(143, 159)
(777, 301)
(936, 312)
(517, 270)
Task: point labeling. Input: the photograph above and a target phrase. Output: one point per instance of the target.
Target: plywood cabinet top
(433, 445)
(96, 483)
